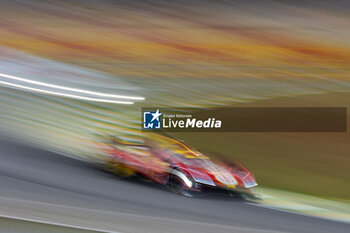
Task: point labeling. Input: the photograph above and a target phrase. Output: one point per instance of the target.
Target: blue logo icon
(151, 120)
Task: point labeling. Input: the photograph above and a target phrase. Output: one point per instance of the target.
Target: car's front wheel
(178, 183)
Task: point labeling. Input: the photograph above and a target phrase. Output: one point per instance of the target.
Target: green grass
(310, 163)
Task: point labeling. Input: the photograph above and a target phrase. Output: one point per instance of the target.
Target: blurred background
(73, 70)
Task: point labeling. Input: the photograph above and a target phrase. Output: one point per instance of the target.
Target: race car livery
(181, 168)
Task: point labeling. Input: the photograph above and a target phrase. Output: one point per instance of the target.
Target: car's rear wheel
(119, 169)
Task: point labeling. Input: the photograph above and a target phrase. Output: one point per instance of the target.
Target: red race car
(183, 169)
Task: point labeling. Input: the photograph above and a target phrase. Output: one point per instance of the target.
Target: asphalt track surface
(31, 174)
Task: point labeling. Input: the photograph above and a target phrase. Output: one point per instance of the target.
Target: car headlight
(225, 178)
(249, 182)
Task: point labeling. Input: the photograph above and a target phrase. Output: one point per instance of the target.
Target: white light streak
(64, 95)
(71, 89)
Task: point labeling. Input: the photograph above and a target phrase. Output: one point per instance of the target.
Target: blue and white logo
(151, 120)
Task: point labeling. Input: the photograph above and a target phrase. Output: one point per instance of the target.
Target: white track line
(56, 224)
(136, 216)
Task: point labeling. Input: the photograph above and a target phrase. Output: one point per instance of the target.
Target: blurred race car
(183, 169)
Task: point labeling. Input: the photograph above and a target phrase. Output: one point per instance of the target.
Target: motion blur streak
(70, 89)
(193, 54)
(176, 53)
(63, 94)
